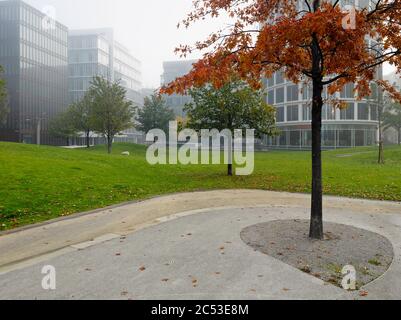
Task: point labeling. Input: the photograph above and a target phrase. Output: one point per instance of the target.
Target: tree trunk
(109, 144)
(230, 156)
(380, 115)
(316, 223)
(381, 152)
(230, 170)
(399, 136)
(381, 148)
(87, 139)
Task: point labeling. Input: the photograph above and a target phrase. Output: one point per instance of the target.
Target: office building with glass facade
(33, 53)
(171, 71)
(95, 53)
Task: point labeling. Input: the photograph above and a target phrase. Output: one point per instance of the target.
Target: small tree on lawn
(81, 116)
(306, 39)
(235, 105)
(392, 119)
(111, 112)
(154, 114)
(4, 110)
(62, 126)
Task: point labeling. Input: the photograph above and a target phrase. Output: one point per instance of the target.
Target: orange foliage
(284, 40)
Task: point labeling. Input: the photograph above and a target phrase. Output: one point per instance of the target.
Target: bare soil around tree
(369, 253)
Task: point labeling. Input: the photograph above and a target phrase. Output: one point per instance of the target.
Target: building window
(374, 113)
(375, 92)
(280, 114)
(292, 93)
(280, 95)
(359, 138)
(270, 81)
(329, 113)
(295, 138)
(348, 91)
(363, 111)
(344, 138)
(282, 140)
(292, 113)
(270, 97)
(348, 113)
(279, 77)
(306, 113)
(328, 138)
(306, 92)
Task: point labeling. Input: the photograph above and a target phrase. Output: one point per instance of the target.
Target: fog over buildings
(131, 41)
(148, 28)
(121, 40)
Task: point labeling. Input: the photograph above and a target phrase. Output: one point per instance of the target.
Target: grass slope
(40, 183)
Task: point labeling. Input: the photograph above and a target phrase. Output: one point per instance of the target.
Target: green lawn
(40, 183)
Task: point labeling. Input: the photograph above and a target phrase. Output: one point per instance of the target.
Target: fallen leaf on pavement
(363, 293)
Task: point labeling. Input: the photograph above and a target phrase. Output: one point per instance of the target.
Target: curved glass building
(357, 125)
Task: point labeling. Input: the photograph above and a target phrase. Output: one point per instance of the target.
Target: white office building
(95, 52)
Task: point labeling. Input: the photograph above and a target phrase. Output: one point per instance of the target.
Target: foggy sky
(147, 27)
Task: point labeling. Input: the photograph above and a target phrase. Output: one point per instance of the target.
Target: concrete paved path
(169, 248)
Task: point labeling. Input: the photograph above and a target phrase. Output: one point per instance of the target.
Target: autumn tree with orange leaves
(307, 40)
